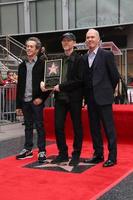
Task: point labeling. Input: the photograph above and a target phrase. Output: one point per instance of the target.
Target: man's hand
(56, 88)
(37, 101)
(42, 86)
(19, 112)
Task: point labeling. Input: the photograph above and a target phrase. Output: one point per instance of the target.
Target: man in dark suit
(100, 78)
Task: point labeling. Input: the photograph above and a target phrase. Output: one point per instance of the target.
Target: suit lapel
(71, 61)
(97, 59)
(86, 59)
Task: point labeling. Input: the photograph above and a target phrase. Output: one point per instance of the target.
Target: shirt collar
(95, 51)
(71, 57)
(33, 61)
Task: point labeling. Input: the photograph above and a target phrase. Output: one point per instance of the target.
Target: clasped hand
(42, 86)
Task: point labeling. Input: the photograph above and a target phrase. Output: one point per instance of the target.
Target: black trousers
(61, 110)
(102, 114)
(34, 115)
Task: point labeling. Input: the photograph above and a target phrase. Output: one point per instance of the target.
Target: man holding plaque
(30, 99)
(68, 97)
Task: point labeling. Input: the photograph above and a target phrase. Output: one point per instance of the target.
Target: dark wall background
(52, 40)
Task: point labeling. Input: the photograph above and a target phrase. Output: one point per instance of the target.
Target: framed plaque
(52, 73)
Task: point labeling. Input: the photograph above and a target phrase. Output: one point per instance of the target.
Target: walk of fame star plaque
(52, 73)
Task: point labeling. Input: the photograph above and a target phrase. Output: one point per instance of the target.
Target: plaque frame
(53, 73)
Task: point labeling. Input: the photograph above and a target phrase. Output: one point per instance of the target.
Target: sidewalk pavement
(12, 139)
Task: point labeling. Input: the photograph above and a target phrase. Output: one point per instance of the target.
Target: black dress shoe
(60, 159)
(109, 163)
(94, 160)
(74, 161)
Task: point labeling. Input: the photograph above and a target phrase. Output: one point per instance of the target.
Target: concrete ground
(12, 139)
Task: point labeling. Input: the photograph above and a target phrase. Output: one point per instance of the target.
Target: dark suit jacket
(37, 77)
(105, 77)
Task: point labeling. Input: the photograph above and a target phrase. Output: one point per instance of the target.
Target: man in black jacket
(101, 77)
(30, 99)
(68, 97)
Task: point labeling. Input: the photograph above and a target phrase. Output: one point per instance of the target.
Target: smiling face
(92, 39)
(31, 48)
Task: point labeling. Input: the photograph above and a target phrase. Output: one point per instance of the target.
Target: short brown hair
(36, 40)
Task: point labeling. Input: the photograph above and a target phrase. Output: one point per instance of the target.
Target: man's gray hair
(36, 40)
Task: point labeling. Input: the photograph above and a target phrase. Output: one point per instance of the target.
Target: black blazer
(37, 77)
(74, 84)
(105, 77)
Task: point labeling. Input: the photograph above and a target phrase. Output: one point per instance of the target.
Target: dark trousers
(61, 110)
(104, 114)
(34, 115)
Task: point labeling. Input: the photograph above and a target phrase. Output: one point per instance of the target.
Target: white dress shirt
(91, 56)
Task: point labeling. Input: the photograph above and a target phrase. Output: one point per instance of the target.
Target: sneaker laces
(41, 154)
(23, 151)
